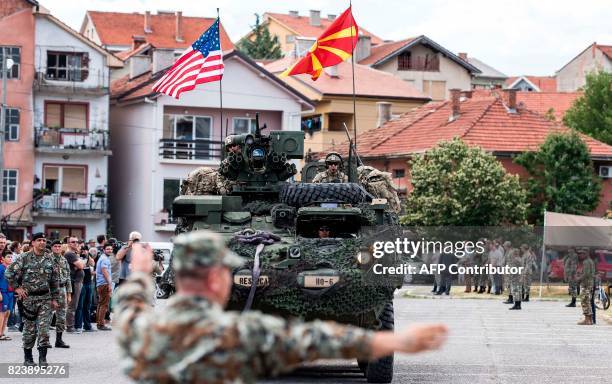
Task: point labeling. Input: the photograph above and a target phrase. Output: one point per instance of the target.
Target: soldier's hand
(68, 298)
(416, 338)
(54, 305)
(21, 293)
(142, 258)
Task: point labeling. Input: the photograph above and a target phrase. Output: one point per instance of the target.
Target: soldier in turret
(332, 173)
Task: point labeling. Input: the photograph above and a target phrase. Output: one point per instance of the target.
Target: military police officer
(35, 279)
(332, 173)
(65, 287)
(196, 340)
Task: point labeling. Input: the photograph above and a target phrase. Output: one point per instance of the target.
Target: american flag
(202, 62)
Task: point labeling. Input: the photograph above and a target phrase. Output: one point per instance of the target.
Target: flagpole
(353, 73)
(220, 84)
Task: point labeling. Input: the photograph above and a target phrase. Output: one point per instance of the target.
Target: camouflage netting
(353, 298)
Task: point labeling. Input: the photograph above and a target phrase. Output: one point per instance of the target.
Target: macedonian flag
(334, 46)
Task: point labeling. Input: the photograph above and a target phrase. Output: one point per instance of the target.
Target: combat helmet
(333, 158)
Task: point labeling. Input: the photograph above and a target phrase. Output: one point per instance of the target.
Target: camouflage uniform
(514, 259)
(328, 177)
(206, 181)
(39, 276)
(570, 267)
(529, 264)
(587, 281)
(380, 185)
(196, 340)
(65, 286)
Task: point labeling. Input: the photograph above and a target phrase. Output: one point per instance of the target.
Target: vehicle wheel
(381, 370)
(303, 193)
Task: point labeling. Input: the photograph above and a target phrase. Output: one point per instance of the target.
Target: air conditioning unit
(605, 171)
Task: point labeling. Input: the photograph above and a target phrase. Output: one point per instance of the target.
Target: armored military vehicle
(307, 245)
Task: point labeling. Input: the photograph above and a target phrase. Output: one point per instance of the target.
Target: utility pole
(3, 125)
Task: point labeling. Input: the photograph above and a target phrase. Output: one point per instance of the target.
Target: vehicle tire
(300, 194)
(381, 370)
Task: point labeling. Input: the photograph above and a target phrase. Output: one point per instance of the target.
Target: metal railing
(71, 138)
(178, 149)
(71, 203)
(82, 78)
(419, 63)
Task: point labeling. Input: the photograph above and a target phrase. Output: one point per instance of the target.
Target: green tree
(592, 112)
(561, 177)
(463, 186)
(263, 46)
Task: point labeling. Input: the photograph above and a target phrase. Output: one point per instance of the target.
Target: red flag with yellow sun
(334, 46)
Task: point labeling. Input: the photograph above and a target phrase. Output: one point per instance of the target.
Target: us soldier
(201, 181)
(529, 264)
(196, 340)
(323, 232)
(507, 284)
(570, 266)
(332, 173)
(586, 277)
(35, 280)
(65, 288)
(514, 259)
(380, 185)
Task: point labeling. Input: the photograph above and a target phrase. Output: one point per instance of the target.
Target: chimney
(455, 103)
(384, 112)
(147, 22)
(331, 17)
(294, 14)
(511, 100)
(315, 18)
(137, 41)
(363, 48)
(138, 65)
(162, 59)
(179, 26)
(593, 49)
(332, 71)
(463, 55)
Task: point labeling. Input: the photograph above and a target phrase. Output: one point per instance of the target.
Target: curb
(451, 297)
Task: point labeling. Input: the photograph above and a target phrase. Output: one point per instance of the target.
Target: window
(243, 125)
(15, 54)
(399, 173)
(59, 232)
(435, 89)
(172, 189)
(11, 132)
(311, 123)
(403, 61)
(9, 185)
(187, 137)
(66, 115)
(67, 66)
(65, 178)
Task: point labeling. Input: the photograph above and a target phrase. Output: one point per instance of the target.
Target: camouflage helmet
(333, 158)
(202, 249)
(231, 140)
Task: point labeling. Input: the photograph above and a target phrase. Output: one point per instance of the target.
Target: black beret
(38, 235)
(56, 242)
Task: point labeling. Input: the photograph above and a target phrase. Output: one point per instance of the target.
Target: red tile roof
(116, 28)
(383, 50)
(545, 83)
(606, 49)
(301, 26)
(368, 81)
(543, 102)
(484, 122)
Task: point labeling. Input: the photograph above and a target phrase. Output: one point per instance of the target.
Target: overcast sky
(533, 37)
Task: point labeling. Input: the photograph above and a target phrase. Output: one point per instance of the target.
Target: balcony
(72, 141)
(180, 151)
(164, 222)
(72, 80)
(71, 205)
(428, 63)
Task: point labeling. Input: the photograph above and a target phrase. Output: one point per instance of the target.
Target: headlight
(364, 257)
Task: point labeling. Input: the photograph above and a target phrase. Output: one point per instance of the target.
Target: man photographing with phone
(124, 256)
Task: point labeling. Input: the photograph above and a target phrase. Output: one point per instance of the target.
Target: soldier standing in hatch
(196, 340)
(65, 288)
(35, 280)
(570, 267)
(332, 173)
